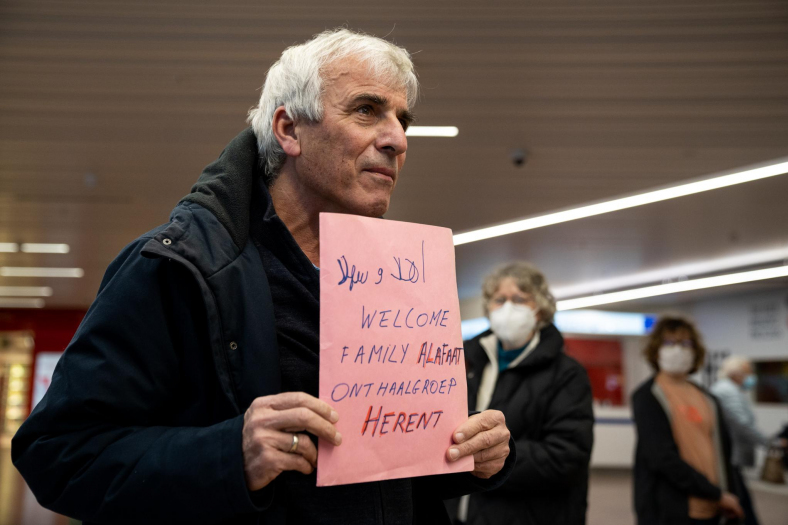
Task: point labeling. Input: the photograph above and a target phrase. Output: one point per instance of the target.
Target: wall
(754, 325)
(52, 330)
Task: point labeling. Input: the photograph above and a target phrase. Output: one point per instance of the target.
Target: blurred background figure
(682, 473)
(736, 377)
(520, 368)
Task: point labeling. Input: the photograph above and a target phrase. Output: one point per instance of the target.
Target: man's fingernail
(334, 416)
(454, 453)
(337, 438)
(459, 437)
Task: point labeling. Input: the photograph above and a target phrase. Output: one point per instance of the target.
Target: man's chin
(376, 208)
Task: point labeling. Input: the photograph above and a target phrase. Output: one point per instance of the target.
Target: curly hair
(529, 280)
(671, 324)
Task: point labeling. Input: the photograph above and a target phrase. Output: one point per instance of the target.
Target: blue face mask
(749, 382)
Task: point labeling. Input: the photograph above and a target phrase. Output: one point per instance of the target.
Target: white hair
(295, 82)
(732, 365)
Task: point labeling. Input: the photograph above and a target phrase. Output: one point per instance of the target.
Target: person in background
(682, 473)
(519, 367)
(735, 378)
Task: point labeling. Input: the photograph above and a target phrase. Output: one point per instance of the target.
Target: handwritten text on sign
(391, 355)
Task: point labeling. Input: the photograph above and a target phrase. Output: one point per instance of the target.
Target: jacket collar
(226, 185)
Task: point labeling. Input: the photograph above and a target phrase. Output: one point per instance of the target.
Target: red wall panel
(602, 359)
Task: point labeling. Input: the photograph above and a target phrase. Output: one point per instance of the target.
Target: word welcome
(410, 320)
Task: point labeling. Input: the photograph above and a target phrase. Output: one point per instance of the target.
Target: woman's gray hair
(295, 82)
(528, 279)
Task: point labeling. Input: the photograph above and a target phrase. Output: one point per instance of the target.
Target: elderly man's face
(351, 160)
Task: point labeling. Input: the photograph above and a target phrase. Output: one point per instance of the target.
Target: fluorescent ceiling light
(44, 248)
(9, 302)
(664, 289)
(9, 247)
(683, 271)
(25, 291)
(719, 181)
(9, 271)
(432, 131)
(596, 322)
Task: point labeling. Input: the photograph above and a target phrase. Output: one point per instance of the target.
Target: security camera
(519, 158)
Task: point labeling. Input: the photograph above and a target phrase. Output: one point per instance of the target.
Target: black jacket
(547, 402)
(663, 481)
(142, 422)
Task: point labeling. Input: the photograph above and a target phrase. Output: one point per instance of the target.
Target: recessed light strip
(25, 291)
(686, 271)
(779, 167)
(41, 247)
(34, 247)
(432, 131)
(23, 271)
(664, 289)
(9, 302)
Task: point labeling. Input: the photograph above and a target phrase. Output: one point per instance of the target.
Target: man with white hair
(189, 392)
(735, 378)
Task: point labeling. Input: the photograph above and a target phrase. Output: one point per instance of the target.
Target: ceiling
(110, 109)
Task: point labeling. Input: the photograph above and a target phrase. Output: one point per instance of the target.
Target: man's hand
(486, 437)
(269, 425)
(730, 506)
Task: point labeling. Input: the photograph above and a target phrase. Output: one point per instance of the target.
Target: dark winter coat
(547, 402)
(143, 420)
(663, 482)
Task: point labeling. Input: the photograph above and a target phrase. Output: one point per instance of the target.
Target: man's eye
(404, 124)
(365, 110)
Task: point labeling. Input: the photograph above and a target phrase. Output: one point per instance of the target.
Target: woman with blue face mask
(519, 367)
(682, 472)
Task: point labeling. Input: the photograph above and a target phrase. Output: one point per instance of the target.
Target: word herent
(439, 355)
(403, 422)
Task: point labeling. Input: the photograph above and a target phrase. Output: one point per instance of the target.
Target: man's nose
(392, 139)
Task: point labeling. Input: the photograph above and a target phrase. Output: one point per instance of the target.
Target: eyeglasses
(686, 343)
(516, 299)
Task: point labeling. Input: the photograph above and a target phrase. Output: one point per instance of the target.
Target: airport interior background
(580, 127)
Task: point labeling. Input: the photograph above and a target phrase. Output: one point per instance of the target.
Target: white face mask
(513, 324)
(676, 359)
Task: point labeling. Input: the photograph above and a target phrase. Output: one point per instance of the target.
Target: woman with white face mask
(519, 367)
(682, 473)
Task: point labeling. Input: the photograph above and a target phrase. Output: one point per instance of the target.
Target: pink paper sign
(391, 356)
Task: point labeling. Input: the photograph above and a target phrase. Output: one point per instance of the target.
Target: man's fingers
(488, 469)
(287, 400)
(302, 419)
(479, 442)
(501, 450)
(305, 446)
(486, 420)
(295, 462)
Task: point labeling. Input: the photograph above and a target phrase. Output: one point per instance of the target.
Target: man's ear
(285, 132)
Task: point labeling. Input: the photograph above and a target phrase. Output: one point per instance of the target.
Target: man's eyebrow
(405, 115)
(370, 97)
